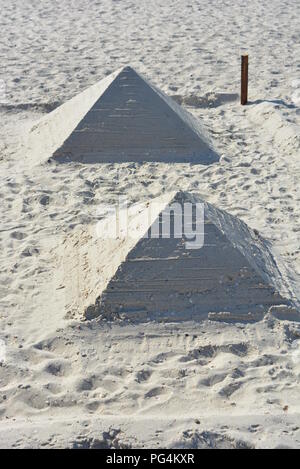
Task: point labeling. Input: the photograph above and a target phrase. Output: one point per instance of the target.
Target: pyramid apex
(127, 69)
(182, 196)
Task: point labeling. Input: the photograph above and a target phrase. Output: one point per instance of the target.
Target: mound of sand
(276, 129)
(121, 118)
(218, 268)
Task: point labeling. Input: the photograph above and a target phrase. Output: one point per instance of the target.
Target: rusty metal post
(244, 80)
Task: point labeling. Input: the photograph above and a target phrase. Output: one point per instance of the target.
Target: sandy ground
(66, 383)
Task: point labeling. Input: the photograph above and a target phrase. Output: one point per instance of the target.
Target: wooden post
(244, 80)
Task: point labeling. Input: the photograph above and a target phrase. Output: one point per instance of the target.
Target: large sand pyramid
(233, 275)
(121, 118)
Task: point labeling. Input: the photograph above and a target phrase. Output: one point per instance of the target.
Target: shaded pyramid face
(124, 118)
(231, 274)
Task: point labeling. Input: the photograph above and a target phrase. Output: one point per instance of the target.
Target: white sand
(67, 383)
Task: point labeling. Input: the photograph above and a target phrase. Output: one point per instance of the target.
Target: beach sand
(68, 383)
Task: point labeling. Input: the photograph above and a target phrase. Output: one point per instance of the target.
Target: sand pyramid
(121, 118)
(231, 272)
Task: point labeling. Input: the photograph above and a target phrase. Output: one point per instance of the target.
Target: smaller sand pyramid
(230, 272)
(121, 118)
